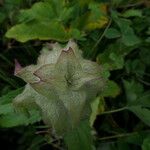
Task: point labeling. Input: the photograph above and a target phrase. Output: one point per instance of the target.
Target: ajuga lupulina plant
(61, 86)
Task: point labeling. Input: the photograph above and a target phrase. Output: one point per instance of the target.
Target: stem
(113, 111)
(132, 5)
(101, 37)
(120, 135)
(117, 136)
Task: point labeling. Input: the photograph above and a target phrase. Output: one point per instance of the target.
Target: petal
(67, 63)
(26, 100)
(27, 74)
(74, 101)
(90, 67)
(75, 48)
(49, 55)
(17, 67)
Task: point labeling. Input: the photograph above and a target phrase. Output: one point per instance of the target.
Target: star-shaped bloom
(61, 86)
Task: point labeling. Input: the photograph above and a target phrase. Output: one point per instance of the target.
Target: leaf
(112, 33)
(137, 138)
(36, 18)
(128, 36)
(14, 119)
(135, 66)
(113, 56)
(113, 60)
(5, 109)
(142, 113)
(5, 99)
(132, 13)
(97, 107)
(122, 145)
(111, 89)
(97, 17)
(37, 12)
(145, 56)
(79, 138)
(146, 143)
(116, 2)
(106, 146)
(83, 2)
(138, 101)
(147, 40)
(52, 23)
(133, 90)
(50, 30)
(118, 60)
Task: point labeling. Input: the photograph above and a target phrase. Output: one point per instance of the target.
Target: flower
(61, 85)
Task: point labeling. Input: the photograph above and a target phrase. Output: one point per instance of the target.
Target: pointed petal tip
(18, 67)
(67, 50)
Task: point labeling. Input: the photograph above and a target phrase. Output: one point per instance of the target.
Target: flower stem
(120, 135)
(113, 111)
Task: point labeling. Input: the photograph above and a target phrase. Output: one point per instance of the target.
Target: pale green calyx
(61, 86)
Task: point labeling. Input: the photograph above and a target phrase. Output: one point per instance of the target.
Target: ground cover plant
(85, 70)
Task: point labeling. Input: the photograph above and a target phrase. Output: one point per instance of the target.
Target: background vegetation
(114, 33)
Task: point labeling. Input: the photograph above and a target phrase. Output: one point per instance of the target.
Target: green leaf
(5, 109)
(79, 138)
(146, 143)
(117, 60)
(57, 5)
(50, 30)
(147, 40)
(138, 101)
(137, 138)
(132, 13)
(97, 17)
(129, 38)
(33, 20)
(112, 33)
(113, 56)
(116, 2)
(122, 145)
(136, 66)
(66, 14)
(37, 12)
(10, 96)
(142, 113)
(145, 56)
(15, 119)
(97, 107)
(111, 89)
(133, 90)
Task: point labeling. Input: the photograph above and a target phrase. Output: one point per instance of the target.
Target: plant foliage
(86, 115)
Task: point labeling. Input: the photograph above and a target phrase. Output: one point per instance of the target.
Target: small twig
(132, 5)
(140, 79)
(101, 37)
(113, 111)
(120, 135)
(144, 82)
(117, 136)
(41, 132)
